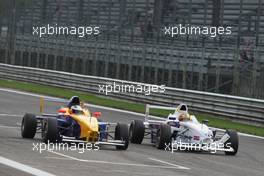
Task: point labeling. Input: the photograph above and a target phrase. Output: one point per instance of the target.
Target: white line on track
(59, 158)
(250, 135)
(164, 162)
(119, 164)
(4, 126)
(91, 105)
(10, 115)
(23, 167)
(106, 108)
(243, 134)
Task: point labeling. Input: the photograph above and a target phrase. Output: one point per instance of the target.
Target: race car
(74, 123)
(182, 131)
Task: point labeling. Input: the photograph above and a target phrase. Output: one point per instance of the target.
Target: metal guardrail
(241, 109)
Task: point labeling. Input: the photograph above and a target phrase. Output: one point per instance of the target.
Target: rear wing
(181, 107)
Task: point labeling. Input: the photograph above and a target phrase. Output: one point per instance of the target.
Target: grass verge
(125, 105)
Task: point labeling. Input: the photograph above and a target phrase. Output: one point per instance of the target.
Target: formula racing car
(74, 123)
(182, 131)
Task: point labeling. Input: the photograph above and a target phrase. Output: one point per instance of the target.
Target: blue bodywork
(103, 132)
(69, 127)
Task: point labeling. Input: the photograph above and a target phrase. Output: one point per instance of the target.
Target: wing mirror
(205, 121)
(62, 110)
(96, 114)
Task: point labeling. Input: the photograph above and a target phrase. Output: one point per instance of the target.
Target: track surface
(137, 160)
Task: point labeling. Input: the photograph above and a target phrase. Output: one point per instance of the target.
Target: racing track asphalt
(142, 160)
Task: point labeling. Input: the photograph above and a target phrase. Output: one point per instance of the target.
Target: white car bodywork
(190, 133)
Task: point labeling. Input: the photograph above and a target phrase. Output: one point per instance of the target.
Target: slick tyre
(28, 126)
(163, 136)
(50, 131)
(232, 142)
(121, 133)
(136, 131)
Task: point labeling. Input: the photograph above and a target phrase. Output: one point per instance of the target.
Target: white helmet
(76, 109)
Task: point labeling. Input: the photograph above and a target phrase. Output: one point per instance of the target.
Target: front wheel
(50, 131)
(136, 131)
(29, 126)
(121, 133)
(232, 142)
(163, 136)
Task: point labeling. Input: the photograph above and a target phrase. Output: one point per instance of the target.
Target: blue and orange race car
(75, 123)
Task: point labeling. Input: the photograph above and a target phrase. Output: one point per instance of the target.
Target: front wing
(209, 146)
(108, 142)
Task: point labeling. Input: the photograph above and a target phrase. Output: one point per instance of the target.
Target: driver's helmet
(184, 116)
(76, 109)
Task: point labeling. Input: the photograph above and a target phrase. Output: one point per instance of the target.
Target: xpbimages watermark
(80, 147)
(184, 146)
(146, 89)
(196, 30)
(80, 31)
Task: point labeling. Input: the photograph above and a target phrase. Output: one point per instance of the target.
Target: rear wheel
(50, 130)
(29, 126)
(136, 131)
(163, 136)
(121, 133)
(232, 142)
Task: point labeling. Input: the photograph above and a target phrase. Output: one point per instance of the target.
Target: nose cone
(92, 123)
(87, 125)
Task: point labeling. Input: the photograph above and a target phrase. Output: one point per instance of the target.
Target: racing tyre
(232, 142)
(136, 131)
(29, 126)
(121, 133)
(50, 130)
(163, 136)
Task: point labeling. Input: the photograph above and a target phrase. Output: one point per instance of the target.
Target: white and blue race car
(182, 131)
